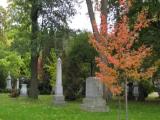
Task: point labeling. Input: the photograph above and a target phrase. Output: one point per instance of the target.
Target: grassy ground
(43, 109)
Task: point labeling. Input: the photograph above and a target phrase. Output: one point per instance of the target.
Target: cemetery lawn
(43, 109)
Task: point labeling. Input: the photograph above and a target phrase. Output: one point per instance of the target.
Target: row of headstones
(23, 90)
(94, 91)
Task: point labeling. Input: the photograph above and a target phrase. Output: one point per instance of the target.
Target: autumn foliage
(118, 59)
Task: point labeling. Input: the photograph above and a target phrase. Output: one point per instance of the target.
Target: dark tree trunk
(92, 19)
(126, 98)
(33, 93)
(104, 4)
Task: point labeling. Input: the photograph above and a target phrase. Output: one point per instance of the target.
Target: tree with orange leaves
(119, 60)
(118, 56)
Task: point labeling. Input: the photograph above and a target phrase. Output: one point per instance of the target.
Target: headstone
(17, 84)
(94, 101)
(23, 91)
(9, 82)
(136, 91)
(59, 97)
(157, 84)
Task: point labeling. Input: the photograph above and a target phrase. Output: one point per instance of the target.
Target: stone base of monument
(94, 105)
(59, 100)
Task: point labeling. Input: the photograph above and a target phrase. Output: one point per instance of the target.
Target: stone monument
(23, 91)
(17, 84)
(136, 91)
(59, 97)
(94, 101)
(9, 82)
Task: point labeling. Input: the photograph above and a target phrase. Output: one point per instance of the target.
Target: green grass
(43, 109)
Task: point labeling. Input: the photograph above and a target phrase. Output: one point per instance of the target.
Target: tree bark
(126, 98)
(119, 108)
(92, 19)
(33, 93)
(104, 4)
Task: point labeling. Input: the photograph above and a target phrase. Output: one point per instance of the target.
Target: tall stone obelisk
(59, 97)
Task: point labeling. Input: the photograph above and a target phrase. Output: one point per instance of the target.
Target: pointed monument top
(59, 58)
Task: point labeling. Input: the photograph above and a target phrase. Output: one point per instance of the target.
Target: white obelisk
(59, 98)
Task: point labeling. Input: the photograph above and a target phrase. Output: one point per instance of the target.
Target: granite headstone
(23, 91)
(94, 101)
(9, 82)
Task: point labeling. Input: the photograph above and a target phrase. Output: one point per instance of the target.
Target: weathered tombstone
(23, 91)
(94, 101)
(59, 97)
(136, 91)
(9, 82)
(157, 85)
(17, 84)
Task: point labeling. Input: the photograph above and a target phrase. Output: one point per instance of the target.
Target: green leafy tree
(50, 66)
(149, 36)
(3, 18)
(78, 64)
(54, 15)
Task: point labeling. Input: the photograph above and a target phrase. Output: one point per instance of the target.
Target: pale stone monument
(94, 101)
(136, 91)
(9, 82)
(17, 84)
(23, 91)
(59, 97)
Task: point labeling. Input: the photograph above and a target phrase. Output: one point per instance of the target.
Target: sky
(79, 21)
(3, 3)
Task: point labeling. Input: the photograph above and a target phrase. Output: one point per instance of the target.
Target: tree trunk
(119, 108)
(33, 93)
(104, 4)
(126, 98)
(92, 19)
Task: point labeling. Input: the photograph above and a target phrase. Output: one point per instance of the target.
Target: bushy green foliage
(145, 87)
(14, 63)
(50, 66)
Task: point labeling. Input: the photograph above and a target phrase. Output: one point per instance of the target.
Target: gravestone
(23, 91)
(17, 84)
(9, 82)
(136, 91)
(59, 97)
(94, 101)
